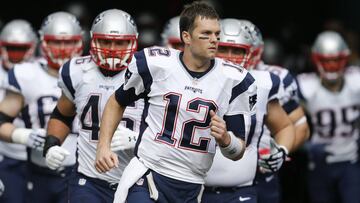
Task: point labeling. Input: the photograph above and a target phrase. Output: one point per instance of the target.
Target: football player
(18, 42)
(267, 179)
(332, 98)
(32, 86)
(170, 36)
(193, 102)
(87, 83)
(229, 181)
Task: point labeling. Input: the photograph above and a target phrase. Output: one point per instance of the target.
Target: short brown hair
(191, 11)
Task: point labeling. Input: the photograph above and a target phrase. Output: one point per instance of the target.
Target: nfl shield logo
(252, 101)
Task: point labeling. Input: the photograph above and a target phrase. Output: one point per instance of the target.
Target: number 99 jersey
(334, 115)
(84, 84)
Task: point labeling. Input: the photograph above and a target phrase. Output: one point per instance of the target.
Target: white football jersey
(288, 96)
(334, 115)
(11, 150)
(227, 173)
(84, 84)
(40, 93)
(176, 140)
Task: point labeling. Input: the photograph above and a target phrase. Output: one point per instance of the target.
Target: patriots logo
(128, 75)
(252, 101)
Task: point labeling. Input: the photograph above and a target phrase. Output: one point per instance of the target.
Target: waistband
(225, 189)
(62, 172)
(100, 182)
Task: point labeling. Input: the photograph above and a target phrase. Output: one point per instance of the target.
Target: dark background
(289, 27)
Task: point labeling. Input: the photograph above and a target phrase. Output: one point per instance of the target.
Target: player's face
(204, 38)
(16, 53)
(62, 49)
(112, 47)
(234, 54)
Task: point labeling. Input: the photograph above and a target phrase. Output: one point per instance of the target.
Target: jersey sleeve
(291, 97)
(242, 106)
(65, 81)
(275, 87)
(138, 81)
(11, 83)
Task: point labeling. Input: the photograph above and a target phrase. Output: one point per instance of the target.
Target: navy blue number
(326, 121)
(188, 127)
(92, 107)
(159, 51)
(43, 111)
(170, 117)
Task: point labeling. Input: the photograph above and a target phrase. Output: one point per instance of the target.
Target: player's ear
(186, 37)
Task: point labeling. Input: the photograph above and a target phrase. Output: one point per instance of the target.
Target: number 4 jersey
(84, 84)
(334, 115)
(176, 140)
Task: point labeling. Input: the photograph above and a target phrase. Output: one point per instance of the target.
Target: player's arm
(302, 131)
(280, 125)
(59, 126)
(113, 113)
(10, 107)
(283, 130)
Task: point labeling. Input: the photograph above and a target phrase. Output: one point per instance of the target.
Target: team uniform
(175, 142)
(12, 161)
(41, 93)
(231, 181)
(333, 150)
(84, 84)
(268, 188)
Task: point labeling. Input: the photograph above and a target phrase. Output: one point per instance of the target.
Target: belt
(222, 189)
(100, 182)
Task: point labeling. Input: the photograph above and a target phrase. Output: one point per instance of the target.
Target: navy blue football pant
(229, 195)
(268, 188)
(90, 190)
(333, 183)
(13, 178)
(47, 186)
(169, 190)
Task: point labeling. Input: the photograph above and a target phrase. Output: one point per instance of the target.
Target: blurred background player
(229, 181)
(170, 36)
(18, 43)
(33, 86)
(332, 99)
(268, 188)
(87, 83)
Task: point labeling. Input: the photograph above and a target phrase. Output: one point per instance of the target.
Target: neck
(333, 86)
(53, 72)
(196, 63)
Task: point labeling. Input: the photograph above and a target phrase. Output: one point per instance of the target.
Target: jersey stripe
(65, 75)
(242, 86)
(12, 79)
(288, 80)
(275, 85)
(143, 70)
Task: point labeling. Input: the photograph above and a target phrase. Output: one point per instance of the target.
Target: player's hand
(218, 130)
(36, 139)
(272, 161)
(55, 156)
(33, 138)
(123, 139)
(105, 159)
